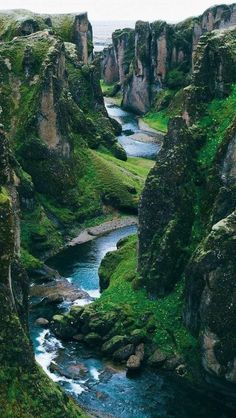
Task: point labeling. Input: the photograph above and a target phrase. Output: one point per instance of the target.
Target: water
(103, 388)
(146, 148)
(100, 386)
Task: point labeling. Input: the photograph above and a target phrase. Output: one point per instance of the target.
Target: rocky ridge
(157, 55)
(191, 201)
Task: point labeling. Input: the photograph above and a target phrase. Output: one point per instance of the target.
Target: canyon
(71, 167)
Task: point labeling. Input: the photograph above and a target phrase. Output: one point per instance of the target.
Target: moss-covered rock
(29, 394)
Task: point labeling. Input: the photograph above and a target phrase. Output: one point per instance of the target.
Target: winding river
(103, 388)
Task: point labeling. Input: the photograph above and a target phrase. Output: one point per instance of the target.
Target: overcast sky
(169, 10)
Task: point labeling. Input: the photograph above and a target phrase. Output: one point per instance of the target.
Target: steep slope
(53, 112)
(159, 55)
(24, 390)
(187, 219)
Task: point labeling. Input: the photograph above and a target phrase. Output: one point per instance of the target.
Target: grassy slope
(164, 324)
(157, 120)
(218, 117)
(108, 89)
(105, 178)
(168, 103)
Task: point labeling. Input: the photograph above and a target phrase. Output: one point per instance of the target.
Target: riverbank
(92, 233)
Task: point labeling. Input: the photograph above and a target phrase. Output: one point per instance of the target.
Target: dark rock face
(136, 91)
(167, 247)
(83, 37)
(15, 348)
(109, 66)
(160, 54)
(166, 212)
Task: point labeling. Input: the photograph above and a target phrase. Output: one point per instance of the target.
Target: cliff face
(54, 116)
(32, 394)
(15, 348)
(187, 211)
(165, 53)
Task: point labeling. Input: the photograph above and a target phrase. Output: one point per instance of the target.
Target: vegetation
(32, 394)
(168, 103)
(164, 315)
(157, 120)
(217, 119)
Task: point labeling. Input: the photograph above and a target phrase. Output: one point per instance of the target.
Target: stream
(136, 142)
(103, 388)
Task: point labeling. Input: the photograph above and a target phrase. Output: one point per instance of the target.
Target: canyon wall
(162, 57)
(53, 113)
(187, 211)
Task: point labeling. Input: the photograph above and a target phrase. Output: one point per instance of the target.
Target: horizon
(102, 11)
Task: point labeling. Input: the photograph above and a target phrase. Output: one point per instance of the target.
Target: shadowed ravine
(102, 387)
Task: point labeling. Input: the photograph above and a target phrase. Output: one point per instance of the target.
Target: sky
(169, 10)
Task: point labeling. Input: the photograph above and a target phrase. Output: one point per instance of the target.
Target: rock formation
(187, 212)
(159, 55)
(20, 375)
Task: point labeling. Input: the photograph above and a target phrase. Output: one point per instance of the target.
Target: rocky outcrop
(110, 73)
(187, 213)
(136, 89)
(53, 112)
(166, 212)
(161, 54)
(71, 28)
(218, 17)
(15, 348)
(16, 353)
(83, 38)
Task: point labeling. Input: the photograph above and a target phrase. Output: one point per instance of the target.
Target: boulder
(114, 344)
(138, 336)
(78, 337)
(140, 351)
(62, 327)
(157, 359)
(133, 363)
(93, 339)
(124, 352)
(42, 321)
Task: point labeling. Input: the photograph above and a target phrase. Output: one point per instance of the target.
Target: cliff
(160, 55)
(24, 389)
(187, 210)
(64, 144)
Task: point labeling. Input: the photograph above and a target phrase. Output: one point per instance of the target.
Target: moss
(217, 119)
(30, 395)
(167, 104)
(28, 261)
(4, 196)
(159, 322)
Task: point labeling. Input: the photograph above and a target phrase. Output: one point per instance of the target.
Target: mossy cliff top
(74, 28)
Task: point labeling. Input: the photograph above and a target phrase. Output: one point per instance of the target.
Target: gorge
(154, 319)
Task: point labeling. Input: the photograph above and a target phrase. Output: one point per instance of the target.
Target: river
(104, 389)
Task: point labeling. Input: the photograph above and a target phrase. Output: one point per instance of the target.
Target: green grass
(164, 315)
(218, 118)
(157, 120)
(108, 89)
(28, 261)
